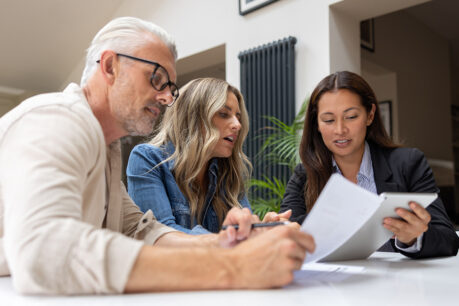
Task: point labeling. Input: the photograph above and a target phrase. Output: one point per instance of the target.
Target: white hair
(122, 35)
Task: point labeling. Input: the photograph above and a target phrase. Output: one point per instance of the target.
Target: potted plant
(280, 147)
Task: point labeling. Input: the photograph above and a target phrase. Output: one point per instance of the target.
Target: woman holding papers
(343, 133)
(193, 171)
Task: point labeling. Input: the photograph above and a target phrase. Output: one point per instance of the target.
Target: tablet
(372, 235)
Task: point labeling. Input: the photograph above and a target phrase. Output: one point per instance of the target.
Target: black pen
(255, 225)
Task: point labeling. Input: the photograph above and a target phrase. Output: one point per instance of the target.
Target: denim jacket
(156, 189)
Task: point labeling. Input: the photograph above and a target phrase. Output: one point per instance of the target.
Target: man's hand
(269, 259)
(266, 261)
(412, 226)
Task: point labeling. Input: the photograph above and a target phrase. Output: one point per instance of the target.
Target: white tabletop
(383, 279)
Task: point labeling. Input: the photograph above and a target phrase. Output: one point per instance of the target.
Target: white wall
(203, 24)
(328, 39)
(384, 84)
(365, 9)
(345, 17)
(421, 60)
(344, 42)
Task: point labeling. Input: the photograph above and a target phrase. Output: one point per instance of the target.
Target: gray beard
(138, 128)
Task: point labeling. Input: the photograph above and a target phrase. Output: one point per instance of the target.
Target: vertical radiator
(268, 86)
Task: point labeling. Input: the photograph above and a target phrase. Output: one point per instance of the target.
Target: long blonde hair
(188, 125)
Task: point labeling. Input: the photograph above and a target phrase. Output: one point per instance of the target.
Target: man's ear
(109, 66)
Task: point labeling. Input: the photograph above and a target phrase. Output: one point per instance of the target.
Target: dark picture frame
(247, 6)
(367, 34)
(385, 109)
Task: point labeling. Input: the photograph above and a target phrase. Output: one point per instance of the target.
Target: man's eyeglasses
(159, 78)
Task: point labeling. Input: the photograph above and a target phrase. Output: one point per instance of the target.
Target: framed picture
(385, 107)
(247, 6)
(367, 34)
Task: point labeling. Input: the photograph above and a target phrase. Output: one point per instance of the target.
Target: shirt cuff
(149, 229)
(416, 247)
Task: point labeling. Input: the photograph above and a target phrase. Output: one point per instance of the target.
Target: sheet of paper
(326, 267)
(341, 209)
(312, 273)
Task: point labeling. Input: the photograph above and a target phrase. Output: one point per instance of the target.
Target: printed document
(340, 210)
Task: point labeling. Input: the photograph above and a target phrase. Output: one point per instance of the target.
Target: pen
(255, 225)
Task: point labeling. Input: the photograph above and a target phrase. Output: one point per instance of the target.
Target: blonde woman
(193, 171)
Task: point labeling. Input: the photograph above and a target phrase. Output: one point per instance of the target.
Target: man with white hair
(67, 225)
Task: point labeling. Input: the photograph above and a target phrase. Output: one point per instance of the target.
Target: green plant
(280, 147)
(273, 192)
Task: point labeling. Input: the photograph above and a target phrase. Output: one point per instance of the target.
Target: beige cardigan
(59, 188)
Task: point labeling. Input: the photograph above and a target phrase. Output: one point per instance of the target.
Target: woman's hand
(244, 219)
(275, 217)
(412, 226)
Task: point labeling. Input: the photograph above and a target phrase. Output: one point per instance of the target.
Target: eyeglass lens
(160, 79)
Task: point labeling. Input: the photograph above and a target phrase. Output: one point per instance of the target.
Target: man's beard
(136, 122)
(142, 124)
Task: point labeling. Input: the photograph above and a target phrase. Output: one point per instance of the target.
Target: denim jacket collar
(169, 149)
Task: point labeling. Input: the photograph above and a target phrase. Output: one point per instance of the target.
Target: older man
(68, 226)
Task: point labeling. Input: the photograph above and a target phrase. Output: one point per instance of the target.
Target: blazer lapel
(382, 171)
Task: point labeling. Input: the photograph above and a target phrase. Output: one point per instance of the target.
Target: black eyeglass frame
(171, 85)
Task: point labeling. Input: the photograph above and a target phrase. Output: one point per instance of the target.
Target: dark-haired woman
(343, 133)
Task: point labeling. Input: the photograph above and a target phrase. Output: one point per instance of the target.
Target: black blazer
(397, 170)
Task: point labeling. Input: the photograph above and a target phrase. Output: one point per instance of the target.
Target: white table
(388, 279)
